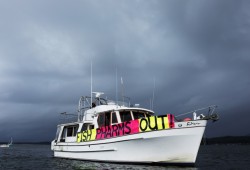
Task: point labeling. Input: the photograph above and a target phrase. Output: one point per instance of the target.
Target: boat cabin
(68, 132)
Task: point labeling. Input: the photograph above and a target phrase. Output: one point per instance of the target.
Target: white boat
(6, 145)
(111, 131)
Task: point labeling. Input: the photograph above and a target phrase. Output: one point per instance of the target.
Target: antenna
(153, 95)
(150, 104)
(123, 96)
(91, 84)
(122, 90)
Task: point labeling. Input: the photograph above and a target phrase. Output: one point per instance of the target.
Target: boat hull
(177, 145)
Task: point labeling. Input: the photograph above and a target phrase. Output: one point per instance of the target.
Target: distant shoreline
(29, 143)
(207, 141)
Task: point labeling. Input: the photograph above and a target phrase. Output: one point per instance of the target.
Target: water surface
(40, 157)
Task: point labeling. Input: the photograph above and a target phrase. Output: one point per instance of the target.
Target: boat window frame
(70, 131)
(139, 111)
(89, 126)
(58, 133)
(106, 122)
(122, 111)
(65, 133)
(100, 124)
(111, 115)
(149, 114)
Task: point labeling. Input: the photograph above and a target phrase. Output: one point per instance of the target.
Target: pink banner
(121, 129)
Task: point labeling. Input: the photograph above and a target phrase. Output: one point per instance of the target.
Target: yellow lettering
(79, 137)
(93, 134)
(166, 123)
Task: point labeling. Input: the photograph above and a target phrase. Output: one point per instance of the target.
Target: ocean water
(40, 157)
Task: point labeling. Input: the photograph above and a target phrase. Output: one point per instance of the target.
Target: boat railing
(204, 113)
(85, 103)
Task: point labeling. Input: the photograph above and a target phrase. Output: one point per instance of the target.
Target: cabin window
(101, 120)
(125, 116)
(84, 127)
(104, 119)
(70, 131)
(138, 115)
(87, 126)
(114, 118)
(147, 114)
(107, 118)
(75, 129)
(91, 127)
(57, 133)
(63, 136)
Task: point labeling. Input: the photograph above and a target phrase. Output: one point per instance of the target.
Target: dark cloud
(197, 52)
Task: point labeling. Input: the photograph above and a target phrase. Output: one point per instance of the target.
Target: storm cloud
(196, 52)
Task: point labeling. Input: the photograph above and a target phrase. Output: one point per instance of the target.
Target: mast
(116, 89)
(91, 85)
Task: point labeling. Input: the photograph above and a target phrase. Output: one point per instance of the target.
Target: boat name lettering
(192, 123)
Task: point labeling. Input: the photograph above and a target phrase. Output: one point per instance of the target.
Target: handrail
(212, 107)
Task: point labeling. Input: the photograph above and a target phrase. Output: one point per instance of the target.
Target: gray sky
(197, 51)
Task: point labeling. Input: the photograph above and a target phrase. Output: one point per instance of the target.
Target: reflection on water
(40, 157)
